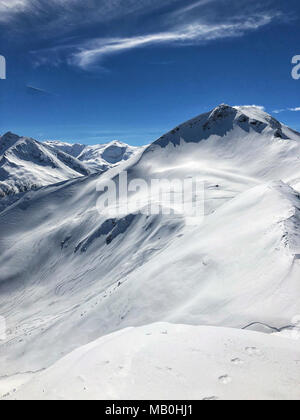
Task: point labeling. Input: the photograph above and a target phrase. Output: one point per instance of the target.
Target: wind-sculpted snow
(70, 275)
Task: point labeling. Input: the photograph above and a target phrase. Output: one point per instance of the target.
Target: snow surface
(164, 361)
(69, 275)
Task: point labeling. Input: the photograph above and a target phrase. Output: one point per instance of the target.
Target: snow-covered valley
(70, 276)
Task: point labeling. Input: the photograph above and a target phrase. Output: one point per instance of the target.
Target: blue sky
(97, 70)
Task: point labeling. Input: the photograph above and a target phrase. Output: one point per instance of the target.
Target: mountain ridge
(209, 124)
(28, 164)
(98, 157)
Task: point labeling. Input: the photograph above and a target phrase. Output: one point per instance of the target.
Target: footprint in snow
(237, 361)
(253, 351)
(225, 379)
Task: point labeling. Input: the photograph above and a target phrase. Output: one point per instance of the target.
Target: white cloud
(8, 7)
(262, 108)
(279, 111)
(192, 7)
(12, 4)
(193, 33)
(74, 12)
(179, 24)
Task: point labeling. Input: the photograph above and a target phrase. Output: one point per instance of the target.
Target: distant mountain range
(27, 164)
(99, 157)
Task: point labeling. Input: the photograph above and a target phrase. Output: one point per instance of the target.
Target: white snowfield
(70, 275)
(165, 361)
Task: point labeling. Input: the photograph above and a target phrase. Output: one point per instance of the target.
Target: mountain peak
(221, 112)
(223, 108)
(223, 119)
(8, 140)
(9, 134)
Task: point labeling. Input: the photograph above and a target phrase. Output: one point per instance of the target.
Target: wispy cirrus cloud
(12, 6)
(279, 111)
(83, 33)
(193, 33)
(191, 7)
(260, 107)
(49, 14)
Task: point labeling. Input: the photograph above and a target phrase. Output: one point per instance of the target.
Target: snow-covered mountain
(69, 148)
(27, 164)
(99, 157)
(70, 275)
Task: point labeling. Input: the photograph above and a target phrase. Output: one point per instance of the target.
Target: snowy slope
(27, 164)
(99, 157)
(207, 364)
(69, 275)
